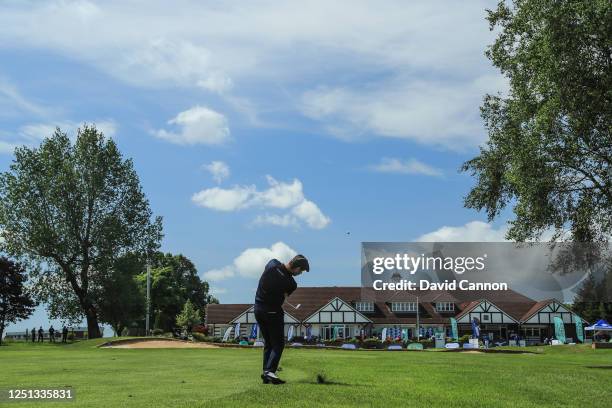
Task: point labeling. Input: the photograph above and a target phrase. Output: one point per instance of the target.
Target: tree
(15, 301)
(174, 280)
(188, 317)
(549, 151)
(74, 209)
(123, 301)
(586, 298)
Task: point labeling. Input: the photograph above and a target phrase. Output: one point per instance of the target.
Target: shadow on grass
(605, 367)
(322, 380)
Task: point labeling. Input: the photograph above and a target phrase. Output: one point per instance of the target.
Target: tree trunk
(2, 333)
(93, 330)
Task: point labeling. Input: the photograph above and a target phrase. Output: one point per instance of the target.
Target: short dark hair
(300, 261)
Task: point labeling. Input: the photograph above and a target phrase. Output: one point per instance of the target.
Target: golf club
(295, 307)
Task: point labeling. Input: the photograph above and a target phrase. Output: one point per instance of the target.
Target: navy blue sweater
(275, 281)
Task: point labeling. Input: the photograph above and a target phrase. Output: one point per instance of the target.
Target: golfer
(275, 284)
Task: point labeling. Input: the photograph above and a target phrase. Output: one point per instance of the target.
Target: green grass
(230, 377)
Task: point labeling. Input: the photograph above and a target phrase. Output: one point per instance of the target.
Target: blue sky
(265, 128)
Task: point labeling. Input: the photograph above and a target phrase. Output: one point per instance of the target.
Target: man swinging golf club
(275, 284)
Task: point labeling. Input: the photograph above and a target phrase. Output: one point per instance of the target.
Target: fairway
(560, 376)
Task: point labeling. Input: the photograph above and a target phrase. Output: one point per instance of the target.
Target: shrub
(157, 332)
(124, 332)
(427, 343)
(371, 343)
(200, 328)
(203, 338)
(464, 339)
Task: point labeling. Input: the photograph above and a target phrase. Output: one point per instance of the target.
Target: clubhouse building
(353, 311)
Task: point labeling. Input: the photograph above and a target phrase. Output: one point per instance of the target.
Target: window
(531, 331)
(486, 317)
(403, 307)
(364, 306)
(445, 307)
(340, 332)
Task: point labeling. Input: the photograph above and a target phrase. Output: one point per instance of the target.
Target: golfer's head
(298, 264)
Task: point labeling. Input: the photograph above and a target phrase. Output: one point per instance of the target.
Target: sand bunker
(145, 344)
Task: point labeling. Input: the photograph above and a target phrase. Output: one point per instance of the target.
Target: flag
(237, 330)
(308, 332)
(254, 330)
(475, 328)
(290, 333)
(404, 334)
(454, 331)
(559, 329)
(227, 334)
(579, 329)
(384, 334)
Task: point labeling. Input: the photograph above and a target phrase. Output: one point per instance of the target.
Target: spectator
(40, 334)
(51, 334)
(64, 334)
(33, 334)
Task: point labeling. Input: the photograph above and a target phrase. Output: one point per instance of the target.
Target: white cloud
(217, 291)
(221, 46)
(220, 199)
(410, 166)
(219, 274)
(251, 262)
(197, 125)
(473, 231)
(311, 214)
(285, 220)
(219, 170)
(279, 195)
(13, 102)
(426, 111)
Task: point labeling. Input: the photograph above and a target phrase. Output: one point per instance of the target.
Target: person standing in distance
(275, 284)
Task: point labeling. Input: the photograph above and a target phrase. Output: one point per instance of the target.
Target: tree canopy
(123, 302)
(16, 302)
(549, 151)
(188, 317)
(73, 209)
(174, 280)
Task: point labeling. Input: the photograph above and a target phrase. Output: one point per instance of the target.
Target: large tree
(73, 209)
(549, 152)
(16, 302)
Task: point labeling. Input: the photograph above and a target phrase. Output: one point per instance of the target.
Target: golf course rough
(229, 377)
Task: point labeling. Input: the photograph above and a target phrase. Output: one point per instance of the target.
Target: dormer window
(445, 307)
(403, 307)
(364, 306)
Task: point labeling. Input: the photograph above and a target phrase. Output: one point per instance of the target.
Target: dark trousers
(271, 325)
